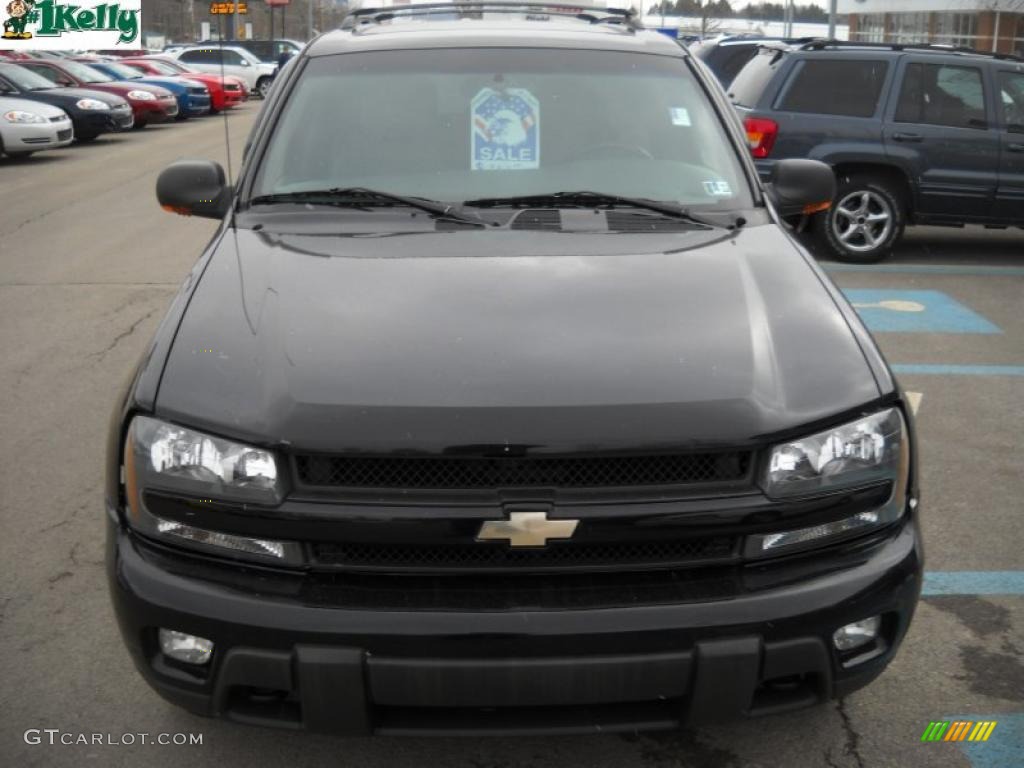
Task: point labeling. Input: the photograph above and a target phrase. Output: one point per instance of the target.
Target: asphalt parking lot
(88, 263)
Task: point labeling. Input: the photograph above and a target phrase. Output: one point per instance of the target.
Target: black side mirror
(801, 187)
(194, 188)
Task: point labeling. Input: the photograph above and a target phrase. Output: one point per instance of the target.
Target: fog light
(184, 647)
(857, 634)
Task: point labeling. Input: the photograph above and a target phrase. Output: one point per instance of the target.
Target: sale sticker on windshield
(505, 130)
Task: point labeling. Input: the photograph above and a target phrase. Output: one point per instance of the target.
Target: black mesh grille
(545, 219)
(618, 554)
(547, 472)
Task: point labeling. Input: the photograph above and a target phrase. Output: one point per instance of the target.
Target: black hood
(548, 341)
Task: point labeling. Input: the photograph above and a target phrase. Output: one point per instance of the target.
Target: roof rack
(626, 17)
(822, 44)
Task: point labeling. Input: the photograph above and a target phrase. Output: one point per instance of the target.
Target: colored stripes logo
(958, 730)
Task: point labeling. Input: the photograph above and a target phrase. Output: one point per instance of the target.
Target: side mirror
(194, 188)
(801, 187)
(245, 62)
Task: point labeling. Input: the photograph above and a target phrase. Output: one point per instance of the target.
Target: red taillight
(761, 134)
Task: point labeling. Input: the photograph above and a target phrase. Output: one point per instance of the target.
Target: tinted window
(835, 87)
(233, 58)
(938, 94)
(465, 124)
(198, 57)
(1011, 94)
(750, 83)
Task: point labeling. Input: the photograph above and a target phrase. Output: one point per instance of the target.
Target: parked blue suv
(916, 135)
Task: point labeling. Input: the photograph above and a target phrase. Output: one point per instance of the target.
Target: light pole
(832, 19)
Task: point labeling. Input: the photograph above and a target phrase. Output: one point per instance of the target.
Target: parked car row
(49, 99)
(916, 134)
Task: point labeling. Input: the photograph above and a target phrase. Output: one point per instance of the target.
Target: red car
(225, 91)
(150, 103)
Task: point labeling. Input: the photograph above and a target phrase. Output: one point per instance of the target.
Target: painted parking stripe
(958, 370)
(979, 270)
(915, 398)
(1005, 743)
(916, 312)
(973, 583)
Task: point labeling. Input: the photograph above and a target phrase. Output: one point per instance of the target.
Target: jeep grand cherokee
(502, 402)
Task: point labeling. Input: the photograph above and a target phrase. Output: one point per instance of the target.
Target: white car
(30, 126)
(238, 62)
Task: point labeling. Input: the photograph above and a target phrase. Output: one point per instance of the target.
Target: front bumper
(32, 137)
(334, 659)
(156, 111)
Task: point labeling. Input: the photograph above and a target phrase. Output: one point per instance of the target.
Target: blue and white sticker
(718, 188)
(505, 130)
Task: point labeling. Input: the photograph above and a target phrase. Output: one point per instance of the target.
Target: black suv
(917, 135)
(504, 403)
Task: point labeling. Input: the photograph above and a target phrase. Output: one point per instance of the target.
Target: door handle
(1015, 147)
(900, 136)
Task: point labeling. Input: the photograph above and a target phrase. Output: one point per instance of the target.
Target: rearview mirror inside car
(194, 188)
(801, 187)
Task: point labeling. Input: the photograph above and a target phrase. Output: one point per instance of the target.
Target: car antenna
(224, 113)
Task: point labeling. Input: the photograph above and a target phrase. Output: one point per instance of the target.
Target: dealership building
(986, 25)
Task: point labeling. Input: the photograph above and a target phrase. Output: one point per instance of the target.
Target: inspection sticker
(680, 116)
(505, 130)
(718, 188)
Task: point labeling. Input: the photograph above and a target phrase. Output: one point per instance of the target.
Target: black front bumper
(320, 660)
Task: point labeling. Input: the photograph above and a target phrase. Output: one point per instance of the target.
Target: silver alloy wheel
(263, 87)
(862, 221)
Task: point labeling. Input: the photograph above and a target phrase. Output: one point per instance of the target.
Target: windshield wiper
(588, 199)
(364, 197)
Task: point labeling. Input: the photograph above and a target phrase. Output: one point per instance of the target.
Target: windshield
(84, 73)
(25, 79)
(122, 71)
(458, 125)
(175, 65)
(164, 68)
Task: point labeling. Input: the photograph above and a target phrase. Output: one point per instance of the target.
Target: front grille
(450, 473)
(197, 91)
(231, 87)
(558, 554)
(64, 135)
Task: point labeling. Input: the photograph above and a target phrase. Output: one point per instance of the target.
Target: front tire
(865, 221)
(263, 86)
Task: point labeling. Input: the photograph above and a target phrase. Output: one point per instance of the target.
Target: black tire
(263, 86)
(19, 155)
(865, 221)
(138, 126)
(85, 138)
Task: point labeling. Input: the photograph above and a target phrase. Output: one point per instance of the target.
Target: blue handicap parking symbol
(916, 311)
(505, 130)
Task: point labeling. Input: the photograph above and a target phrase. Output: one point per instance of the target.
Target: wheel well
(898, 179)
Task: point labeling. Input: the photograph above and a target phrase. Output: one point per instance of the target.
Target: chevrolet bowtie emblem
(526, 529)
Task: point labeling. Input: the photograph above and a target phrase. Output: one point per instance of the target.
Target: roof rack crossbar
(593, 14)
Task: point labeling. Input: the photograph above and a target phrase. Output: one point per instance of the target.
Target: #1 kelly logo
(50, 24)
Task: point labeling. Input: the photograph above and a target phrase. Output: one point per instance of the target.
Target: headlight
(141, 96)
(92, 105)
(180, 462)
(184, 461)
(863, 451)
(870, 450)
(17, 116)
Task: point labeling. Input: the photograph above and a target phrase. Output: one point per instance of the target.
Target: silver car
(30, 126)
